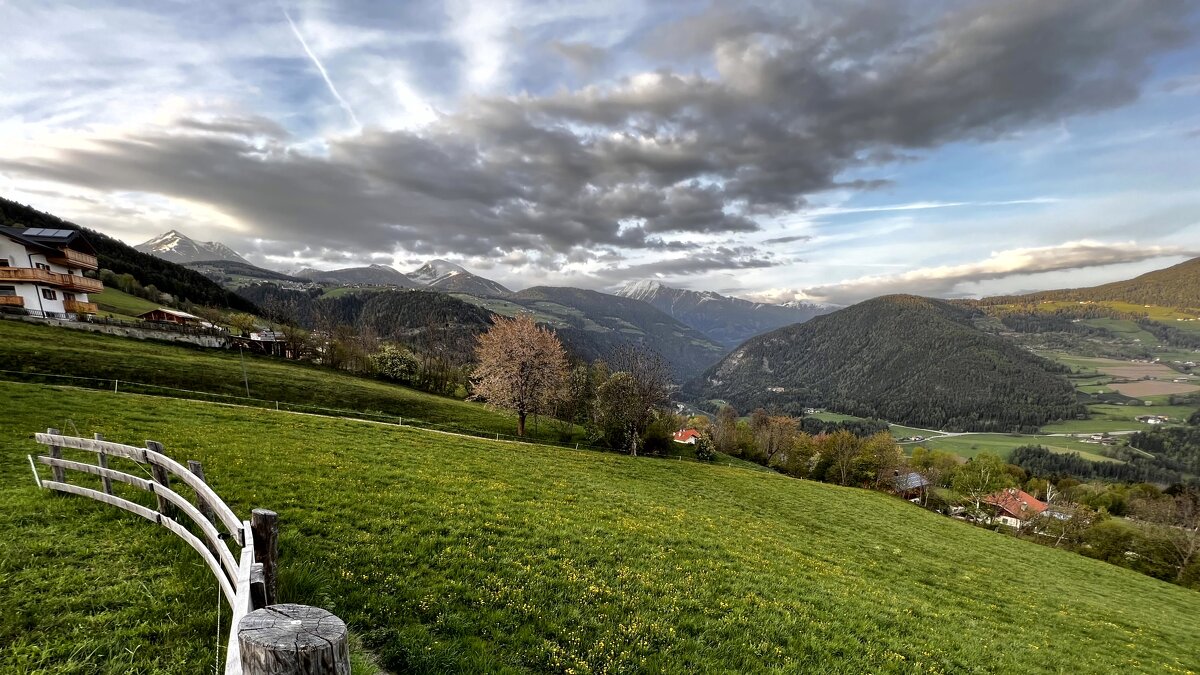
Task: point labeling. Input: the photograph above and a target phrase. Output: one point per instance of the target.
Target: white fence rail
(243, 581)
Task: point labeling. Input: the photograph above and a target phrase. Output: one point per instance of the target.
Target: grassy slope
(120, 304)
(44, 349)
(453, 554)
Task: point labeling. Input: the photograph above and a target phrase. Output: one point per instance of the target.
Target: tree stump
(293, 640)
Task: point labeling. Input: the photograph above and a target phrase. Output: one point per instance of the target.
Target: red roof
(1016, 503)
(685, 435)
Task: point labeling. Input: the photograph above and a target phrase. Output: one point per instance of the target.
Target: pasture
(451, 554)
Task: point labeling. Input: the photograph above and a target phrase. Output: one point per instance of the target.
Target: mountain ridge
(726, 320)
(175, 246)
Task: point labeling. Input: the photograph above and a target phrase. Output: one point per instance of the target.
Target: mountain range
(728, 321)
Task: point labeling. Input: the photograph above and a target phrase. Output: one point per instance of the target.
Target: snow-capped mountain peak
(434, 271)
(177, 247)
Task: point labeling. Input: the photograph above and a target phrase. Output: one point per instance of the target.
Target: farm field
(448, 554)
(1001, 445)
(30, 348)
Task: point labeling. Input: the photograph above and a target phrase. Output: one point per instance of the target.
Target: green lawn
(447, 554)
(32, 348)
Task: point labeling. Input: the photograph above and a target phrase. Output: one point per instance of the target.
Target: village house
(1014, 507)
(41, 272)
(687, 436)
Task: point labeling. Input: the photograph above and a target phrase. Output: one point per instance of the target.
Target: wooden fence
(248, 581)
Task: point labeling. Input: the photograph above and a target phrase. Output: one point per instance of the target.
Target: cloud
(747, 114)
(788, 239)
(320, 67)
(944, 280)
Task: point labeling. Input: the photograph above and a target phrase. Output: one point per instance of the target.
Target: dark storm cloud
(793, 104)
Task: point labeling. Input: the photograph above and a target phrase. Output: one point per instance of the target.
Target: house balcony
(11, 301)
(77, 307)
(69, 282)
(69, 257)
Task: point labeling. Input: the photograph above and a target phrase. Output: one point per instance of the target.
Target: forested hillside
(1176, 286)
(180, 282)
(902, 358)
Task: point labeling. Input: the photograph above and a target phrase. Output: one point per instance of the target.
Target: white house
(41, 272)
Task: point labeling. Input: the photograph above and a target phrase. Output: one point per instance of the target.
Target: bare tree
(522, 368)
(980, 477)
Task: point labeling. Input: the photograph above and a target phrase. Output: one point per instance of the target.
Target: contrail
(317, 62)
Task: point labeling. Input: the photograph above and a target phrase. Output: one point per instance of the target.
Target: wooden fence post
(258, 587)
(163, 478)
(104, 464)
(293, 640)
(265, 526)
(202, 505)
(60, 474)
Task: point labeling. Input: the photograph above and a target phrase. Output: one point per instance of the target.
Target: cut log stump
(293, 640)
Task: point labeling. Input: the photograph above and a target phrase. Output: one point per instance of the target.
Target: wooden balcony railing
(69, 257)
(77, 307)
(70, 282)
(11, 301)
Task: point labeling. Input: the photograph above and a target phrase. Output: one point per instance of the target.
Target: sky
(827, 151)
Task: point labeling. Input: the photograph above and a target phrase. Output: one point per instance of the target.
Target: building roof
(910, 481)
(48, 239)
(172, 312)
(1017, 503)
(685, 435)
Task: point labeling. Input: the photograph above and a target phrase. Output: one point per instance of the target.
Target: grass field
(1002, 445)
(44, 349)
(447, 554)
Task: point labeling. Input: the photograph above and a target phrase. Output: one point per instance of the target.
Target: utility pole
(245, 378)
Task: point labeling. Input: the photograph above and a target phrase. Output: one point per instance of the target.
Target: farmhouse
(41, 272)
(164, 315)
(1014, 507)
(688, 436)
(1154, 419)
(911, 485)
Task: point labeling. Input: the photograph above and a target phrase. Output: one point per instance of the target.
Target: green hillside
(29, 348)
(1176, 286)
(906, 359)
(447, 554)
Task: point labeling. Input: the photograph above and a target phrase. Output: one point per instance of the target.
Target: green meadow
(452, 554)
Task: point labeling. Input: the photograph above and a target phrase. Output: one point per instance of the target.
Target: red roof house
(689, 436)
(1014, 506)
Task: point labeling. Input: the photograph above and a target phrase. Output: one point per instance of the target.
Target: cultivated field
(1149, 388)
(448, 554)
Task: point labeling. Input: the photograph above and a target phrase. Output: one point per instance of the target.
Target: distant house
(164, 315)
(911, 485)
(42, 272)
(687, 436)
(1014, 507)
(1154, 419)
